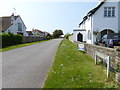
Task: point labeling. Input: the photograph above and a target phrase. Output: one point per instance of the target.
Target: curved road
(27, 67)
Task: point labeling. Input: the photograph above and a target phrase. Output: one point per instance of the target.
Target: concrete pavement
(27, 67)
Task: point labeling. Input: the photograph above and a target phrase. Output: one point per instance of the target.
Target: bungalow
(13, 24)
(103, 19)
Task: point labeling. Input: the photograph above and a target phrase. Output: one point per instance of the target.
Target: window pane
(19, 27)
(109, 12)
(105, 11)
(113, 11)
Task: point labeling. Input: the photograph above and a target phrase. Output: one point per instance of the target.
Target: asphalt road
(27, 67)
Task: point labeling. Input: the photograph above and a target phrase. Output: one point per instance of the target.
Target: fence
(28, 39)
(114, 55)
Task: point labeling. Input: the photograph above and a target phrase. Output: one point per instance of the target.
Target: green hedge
(11, 39)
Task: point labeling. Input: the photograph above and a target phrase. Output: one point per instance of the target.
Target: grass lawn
(75, 69)
(20, 45)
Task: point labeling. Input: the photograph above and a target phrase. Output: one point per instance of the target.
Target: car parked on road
(110, 40)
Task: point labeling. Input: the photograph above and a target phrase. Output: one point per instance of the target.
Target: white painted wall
(14, 28)
(75, 33)
(119, 16)
(88, 27)
(100, 22)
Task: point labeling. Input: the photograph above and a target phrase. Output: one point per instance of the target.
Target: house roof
(91, 12)
(96, 8)
(6, 22)
(79, 30)
(29, 32)
(37, 31)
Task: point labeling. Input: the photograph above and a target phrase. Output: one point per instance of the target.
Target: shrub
(67, 36)
(11, 39)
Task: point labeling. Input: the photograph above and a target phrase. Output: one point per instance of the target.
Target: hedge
(11, 39)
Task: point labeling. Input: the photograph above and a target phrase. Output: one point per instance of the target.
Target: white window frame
(109, 11)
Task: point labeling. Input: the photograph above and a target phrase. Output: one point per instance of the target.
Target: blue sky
(48, 16)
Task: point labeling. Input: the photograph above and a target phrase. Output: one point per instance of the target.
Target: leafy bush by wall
(11, 39)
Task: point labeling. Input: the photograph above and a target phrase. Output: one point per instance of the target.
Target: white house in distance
(103, 19)
(38, 32)
(13, 24)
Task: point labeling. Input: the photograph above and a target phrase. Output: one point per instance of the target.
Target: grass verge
(75, 69)
(19, 45)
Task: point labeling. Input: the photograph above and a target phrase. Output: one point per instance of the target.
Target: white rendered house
(103, 19)
(13, 24)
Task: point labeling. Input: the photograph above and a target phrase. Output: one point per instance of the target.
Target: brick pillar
(117, 61)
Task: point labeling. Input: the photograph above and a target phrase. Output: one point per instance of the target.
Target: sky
(48, 15)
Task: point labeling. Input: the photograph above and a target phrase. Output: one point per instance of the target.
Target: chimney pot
(12, 14)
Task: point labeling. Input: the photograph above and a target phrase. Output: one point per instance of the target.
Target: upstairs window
(19, 27)
(109, 11)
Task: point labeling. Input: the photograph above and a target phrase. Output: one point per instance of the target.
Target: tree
(67, 35)
(57, 33)
(49, 36)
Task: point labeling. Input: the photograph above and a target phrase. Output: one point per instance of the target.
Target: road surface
(27, 67)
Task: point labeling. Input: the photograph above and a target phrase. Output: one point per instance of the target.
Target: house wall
(14, 28)
(75, 33)
(97, 22)
(88, 27)
(119, 16)
(100, 22)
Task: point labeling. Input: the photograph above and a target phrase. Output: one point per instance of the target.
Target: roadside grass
(75, 69)
(20, 45)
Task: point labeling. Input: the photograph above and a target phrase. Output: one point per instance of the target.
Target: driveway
(27, 67)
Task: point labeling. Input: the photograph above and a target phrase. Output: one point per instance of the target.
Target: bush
(67, 36)
(48, 37)
(11, 39)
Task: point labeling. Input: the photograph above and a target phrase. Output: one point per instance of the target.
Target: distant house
(29, 33)
(13, 24)
(47, 34)
(38, 32)
(103, 19)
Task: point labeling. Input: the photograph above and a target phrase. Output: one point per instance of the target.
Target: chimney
(12, 18)
(12, 14)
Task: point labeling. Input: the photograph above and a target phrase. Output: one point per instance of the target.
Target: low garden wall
(114, 55)
(71, 38)
(28, 39)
